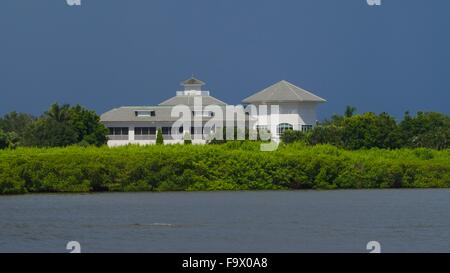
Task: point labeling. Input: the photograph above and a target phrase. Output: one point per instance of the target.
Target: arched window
(283, 127)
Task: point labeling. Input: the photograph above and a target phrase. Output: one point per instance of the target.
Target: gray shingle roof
(283, 91)
(189, 100)
(127, 113)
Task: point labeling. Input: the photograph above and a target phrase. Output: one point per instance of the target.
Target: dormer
(145, 113)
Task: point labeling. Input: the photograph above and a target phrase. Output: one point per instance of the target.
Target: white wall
(296, 114)
(117, 143)
(131, 140)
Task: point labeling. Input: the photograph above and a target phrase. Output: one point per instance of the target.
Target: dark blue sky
(109, 53)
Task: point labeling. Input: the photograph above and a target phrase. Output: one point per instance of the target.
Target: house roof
(189, 100)
(128, 114)
(283, 91)
(192, 80)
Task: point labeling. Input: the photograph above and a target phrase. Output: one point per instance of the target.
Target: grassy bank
(233, 166)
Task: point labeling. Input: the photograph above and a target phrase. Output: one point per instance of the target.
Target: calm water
(300, 221)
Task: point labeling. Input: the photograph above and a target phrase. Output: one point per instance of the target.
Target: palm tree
(349, 111)
(58, 113)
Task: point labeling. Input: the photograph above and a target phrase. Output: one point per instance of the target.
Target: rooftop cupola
(192, 86)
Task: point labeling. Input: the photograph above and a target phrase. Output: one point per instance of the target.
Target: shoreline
(223, 191)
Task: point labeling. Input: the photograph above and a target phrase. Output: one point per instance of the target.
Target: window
(306, 128)
(146, 113)
(283, 127)
(118, 131)
(180, 130)
(144, 131)
(166, 130)
(196, 130)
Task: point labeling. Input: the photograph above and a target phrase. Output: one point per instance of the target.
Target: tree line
(65, 125)
(59, 126)
(369, 130)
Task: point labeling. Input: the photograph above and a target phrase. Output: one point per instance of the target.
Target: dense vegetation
(64, 125)
(353, 132)
(58, 127)
(348, 151)
(231, 166)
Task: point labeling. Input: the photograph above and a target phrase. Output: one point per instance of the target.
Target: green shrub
(235, 165)
(187, 139)
(4, 141)
(291, 136)
(159, 138)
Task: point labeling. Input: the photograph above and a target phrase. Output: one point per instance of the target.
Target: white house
(139, 124)
(296, 108)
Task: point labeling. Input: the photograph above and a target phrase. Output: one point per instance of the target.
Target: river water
(266, 221)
